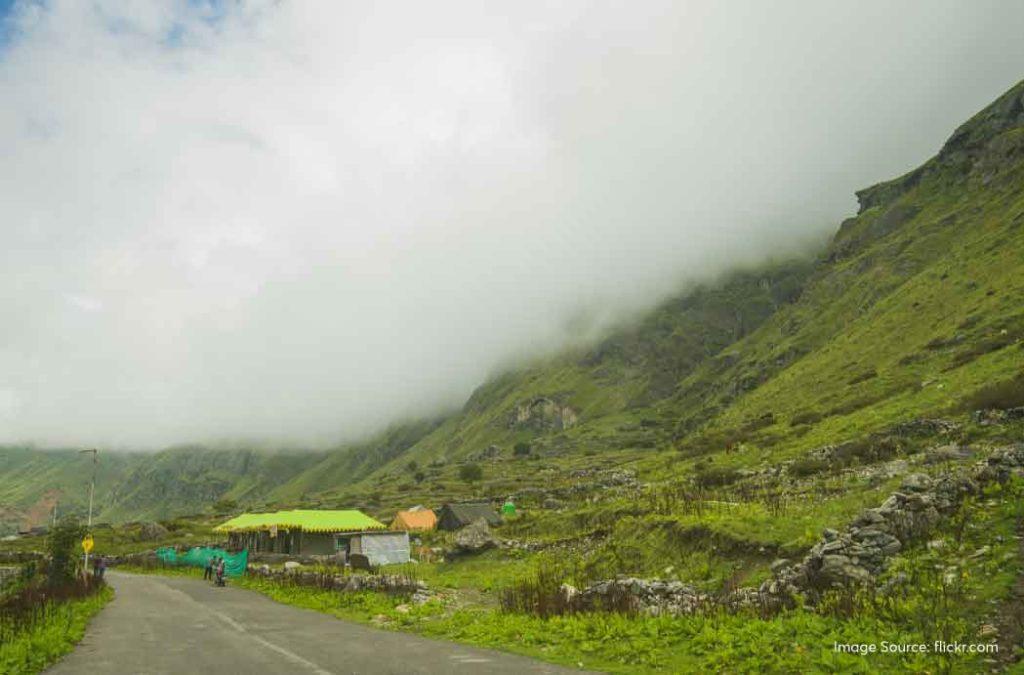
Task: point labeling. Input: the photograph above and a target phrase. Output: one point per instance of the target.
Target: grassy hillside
(134, 486)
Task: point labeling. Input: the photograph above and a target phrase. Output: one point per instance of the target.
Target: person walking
(101, 567)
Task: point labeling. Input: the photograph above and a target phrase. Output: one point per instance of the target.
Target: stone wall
(856, 555)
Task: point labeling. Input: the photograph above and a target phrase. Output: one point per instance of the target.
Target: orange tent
(414, 520)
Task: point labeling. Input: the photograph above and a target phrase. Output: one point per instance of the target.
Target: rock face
(490, 452)
(972, 149)
(542, 414)
(475, 537)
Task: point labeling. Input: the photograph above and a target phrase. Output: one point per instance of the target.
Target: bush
(224, 506)
(996, 396)
(808, 466)
(521, 449)
(63, 545)
(863, 377)
(419, 476)
(716, 476)
(471, 472)
(806, 417)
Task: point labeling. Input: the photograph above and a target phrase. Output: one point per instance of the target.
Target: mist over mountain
(269, 221)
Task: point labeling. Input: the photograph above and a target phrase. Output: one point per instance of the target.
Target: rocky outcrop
(542, 414)
(474, 538)
(974, 147)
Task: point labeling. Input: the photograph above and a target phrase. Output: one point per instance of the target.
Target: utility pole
(92, 490)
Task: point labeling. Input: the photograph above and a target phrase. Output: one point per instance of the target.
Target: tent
(457, 516)
(418, 521)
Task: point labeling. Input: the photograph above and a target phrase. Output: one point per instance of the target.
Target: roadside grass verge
(47, 640)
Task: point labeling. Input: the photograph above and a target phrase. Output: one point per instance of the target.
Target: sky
(296, 222)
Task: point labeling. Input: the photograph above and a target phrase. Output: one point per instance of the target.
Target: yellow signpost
(87, 543)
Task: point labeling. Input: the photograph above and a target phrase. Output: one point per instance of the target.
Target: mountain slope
(136, 486)
(915, 306)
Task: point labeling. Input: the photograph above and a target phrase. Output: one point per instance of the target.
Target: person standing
(220, 572)
(208, 571)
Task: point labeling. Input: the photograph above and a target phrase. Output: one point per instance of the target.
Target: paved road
(180, 625)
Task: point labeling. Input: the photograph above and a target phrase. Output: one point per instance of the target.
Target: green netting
(234, 563)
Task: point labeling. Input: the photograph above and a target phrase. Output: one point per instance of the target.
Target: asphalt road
(179, 625)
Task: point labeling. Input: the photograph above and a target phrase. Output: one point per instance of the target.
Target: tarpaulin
(199, 556)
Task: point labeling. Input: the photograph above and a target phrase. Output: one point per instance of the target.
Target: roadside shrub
(539, 594)
(62, 546)
(521, 449)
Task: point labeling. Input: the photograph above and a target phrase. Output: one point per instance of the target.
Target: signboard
(87, 543)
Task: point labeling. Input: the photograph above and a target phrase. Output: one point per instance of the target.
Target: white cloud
(300, 221)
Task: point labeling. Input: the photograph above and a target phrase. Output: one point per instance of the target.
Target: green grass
(33, 650)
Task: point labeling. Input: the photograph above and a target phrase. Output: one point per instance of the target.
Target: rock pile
(989, 417)
(646, 596)
(926, 427)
